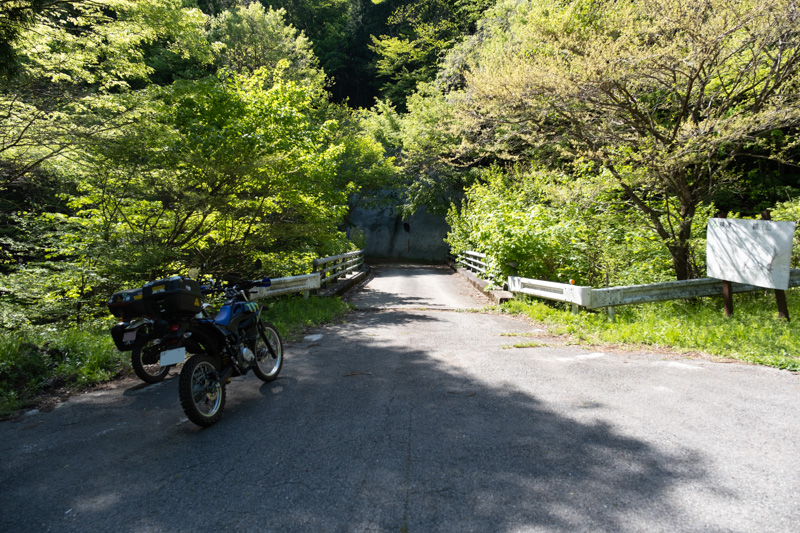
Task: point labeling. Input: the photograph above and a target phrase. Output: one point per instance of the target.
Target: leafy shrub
(534, 224)
(31, 362)
(21, 362)
(83, 358)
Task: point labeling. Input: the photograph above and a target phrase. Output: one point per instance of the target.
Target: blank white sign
(757, 252)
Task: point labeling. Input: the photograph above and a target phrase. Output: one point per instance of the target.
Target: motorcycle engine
(245, 356)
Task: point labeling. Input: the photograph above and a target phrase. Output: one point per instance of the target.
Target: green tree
(663, 96)
(420, 33)
(72, 58)
(15, 18)
(340, 33)
(220, 170)
(251, 37)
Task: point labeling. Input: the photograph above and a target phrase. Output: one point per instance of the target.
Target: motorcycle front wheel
(269, 352)
(201, 393)
(146, 361)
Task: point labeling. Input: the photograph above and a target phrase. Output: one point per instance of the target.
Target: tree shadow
(371, 429)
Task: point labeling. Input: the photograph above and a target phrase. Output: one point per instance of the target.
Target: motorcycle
(233, 342)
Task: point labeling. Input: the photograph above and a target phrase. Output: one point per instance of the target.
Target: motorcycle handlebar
(235, 284)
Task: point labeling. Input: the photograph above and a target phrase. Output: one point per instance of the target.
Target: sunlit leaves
(101, 42)
(252, 37)
(221, 168)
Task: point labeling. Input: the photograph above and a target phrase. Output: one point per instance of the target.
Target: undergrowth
(753, 334)
(34, 362)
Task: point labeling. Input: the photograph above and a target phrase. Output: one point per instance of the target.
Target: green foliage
(754, 334)
(293, 315)
(421, 32)
(543, 225)
(32, 361)
(340, 31)
(85, 357)
(101, 43)
(146, 181)
(224, 168)
(73, 61)
(21, 363)
(249, 38)
(664, 101)
(426, 148)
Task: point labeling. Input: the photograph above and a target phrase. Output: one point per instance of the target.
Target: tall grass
(753, 334)
(291, 316)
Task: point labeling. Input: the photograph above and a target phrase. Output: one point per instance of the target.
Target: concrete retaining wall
(387, 234)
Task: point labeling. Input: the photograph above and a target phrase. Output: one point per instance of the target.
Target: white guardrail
(341, 265)
(632, 294)
(338, 265)
(474, 261)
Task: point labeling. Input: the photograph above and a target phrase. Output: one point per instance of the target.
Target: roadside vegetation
(754, 334)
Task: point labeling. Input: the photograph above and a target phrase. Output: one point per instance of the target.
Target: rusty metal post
(727, 297)
(727, 286)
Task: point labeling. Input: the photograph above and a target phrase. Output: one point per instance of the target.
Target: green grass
(753, 334)
(34, 362)
(524, 345)
(292, 316)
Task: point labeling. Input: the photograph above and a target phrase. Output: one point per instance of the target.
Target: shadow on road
(362, 432)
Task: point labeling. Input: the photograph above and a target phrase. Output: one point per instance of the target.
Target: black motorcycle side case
(172, 297)
(118, 334)
(127, 305)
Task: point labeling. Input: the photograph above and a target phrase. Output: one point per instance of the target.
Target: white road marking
(673, 364)
(582, 357)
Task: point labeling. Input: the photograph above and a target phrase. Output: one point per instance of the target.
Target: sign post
(756, 252)
(780, 295)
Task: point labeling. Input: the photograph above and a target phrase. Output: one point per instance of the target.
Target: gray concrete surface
(408, 420)
(386, 234)
(412, 286)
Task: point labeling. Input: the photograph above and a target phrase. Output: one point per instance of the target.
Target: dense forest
(568, 139)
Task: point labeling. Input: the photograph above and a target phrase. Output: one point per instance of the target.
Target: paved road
(417, 287)
(407, 420)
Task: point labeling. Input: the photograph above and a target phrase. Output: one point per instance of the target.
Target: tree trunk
(681, 261)
(681, 251)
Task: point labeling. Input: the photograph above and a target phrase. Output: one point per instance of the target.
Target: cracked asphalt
(416, 416)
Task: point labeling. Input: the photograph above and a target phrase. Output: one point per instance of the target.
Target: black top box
(175, 296)
(127, 305)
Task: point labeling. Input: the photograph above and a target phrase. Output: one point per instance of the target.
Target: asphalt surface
(412, 417)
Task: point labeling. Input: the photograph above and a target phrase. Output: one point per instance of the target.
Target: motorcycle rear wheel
(201, 393)
(146, 361)
(268, 361)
